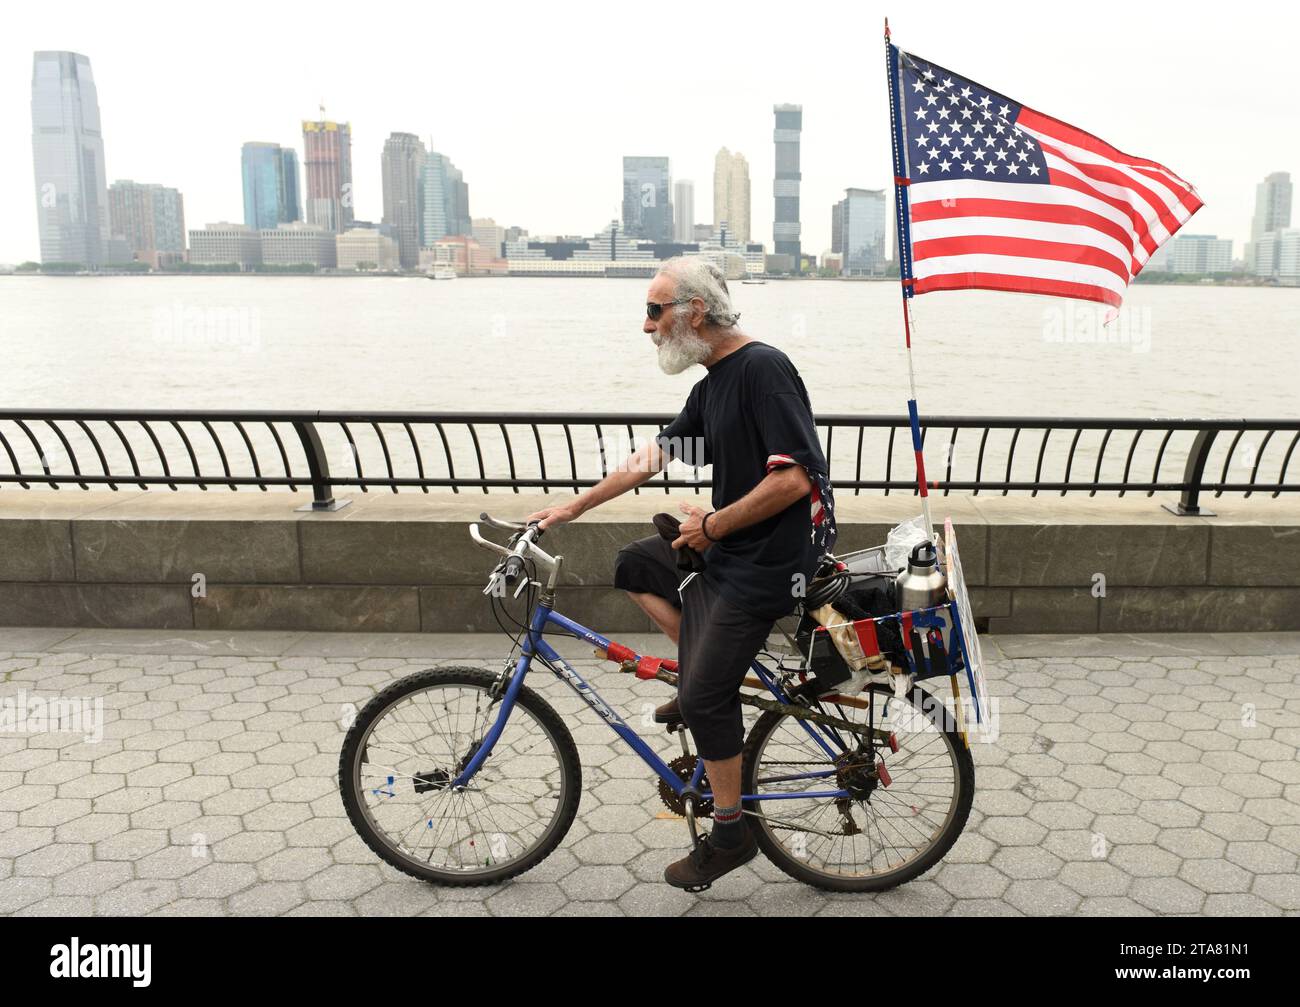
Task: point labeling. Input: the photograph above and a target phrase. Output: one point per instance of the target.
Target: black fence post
(1189, 503)
(319, 468)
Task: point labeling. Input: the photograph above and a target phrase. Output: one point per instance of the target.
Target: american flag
(821, 500)
(994, 195)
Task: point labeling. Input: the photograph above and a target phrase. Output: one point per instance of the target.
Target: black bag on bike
(868, 596)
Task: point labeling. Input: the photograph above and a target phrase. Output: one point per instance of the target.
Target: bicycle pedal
(675, 727)
(696, 889)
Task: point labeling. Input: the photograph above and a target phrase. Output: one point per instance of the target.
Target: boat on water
(441, 273)
(753, 282)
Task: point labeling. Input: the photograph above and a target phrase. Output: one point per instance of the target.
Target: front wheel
(904, 809)
(407, 745)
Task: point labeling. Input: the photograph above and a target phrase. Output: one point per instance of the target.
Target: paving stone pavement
(1165, 785)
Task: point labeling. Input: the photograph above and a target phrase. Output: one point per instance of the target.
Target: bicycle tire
(352, 788)
(964, 777)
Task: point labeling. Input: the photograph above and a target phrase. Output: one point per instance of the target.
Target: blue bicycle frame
(535, 645)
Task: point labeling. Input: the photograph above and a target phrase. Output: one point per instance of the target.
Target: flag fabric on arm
(994, 195)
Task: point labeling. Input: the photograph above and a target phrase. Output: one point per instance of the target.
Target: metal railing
(466, 451)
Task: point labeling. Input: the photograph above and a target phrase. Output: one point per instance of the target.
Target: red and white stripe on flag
(1001, 197)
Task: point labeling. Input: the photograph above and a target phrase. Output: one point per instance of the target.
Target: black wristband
(704, 526)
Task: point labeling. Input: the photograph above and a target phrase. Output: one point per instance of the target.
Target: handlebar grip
(514, 569)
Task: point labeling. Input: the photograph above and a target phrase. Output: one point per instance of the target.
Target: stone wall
(405, 562)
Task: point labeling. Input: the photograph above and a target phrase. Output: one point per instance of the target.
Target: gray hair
(695, 276)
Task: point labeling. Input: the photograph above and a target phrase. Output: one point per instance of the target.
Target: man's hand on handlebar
(554, 515)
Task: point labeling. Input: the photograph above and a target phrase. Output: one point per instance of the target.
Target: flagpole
(901, 182)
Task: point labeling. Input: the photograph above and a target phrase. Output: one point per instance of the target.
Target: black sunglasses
(655, 311)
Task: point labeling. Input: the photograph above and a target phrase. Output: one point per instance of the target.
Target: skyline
(503, 136)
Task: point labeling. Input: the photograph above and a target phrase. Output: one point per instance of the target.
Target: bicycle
(461, 776)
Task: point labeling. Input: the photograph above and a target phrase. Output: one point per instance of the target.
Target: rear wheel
(408, 744)
(904, 811)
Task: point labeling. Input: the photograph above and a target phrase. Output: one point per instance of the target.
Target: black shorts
(717, 643)
(649, 566)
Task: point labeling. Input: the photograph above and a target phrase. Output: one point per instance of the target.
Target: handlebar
(487, 518)
(523, 544)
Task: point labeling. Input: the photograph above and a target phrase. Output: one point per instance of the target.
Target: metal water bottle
(921, 585)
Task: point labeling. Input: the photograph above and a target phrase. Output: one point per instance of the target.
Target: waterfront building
(150, 219)
(736, 257)
(785, 186)
(684, 210)
(299, 244)
(1288, 256)
(1277, 256)
(327, 160)
(731, 193)
(446, 200)
(647, 203)
(222, 243)
(403, 178)
(270, 179)
(488, 233)
(290, 187)
(613, 252)
(779, 263)
(1272, 213)
(858, 232)
(68, 156)
(1192, 254)
(464, 255)
(360, 246)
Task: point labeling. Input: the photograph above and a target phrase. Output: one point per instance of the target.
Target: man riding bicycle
(772, 519)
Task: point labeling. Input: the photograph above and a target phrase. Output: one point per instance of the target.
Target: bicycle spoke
(883, 827)
(425, 738)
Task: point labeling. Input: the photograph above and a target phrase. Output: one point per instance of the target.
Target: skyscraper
(270, 175)
(1272, 211)
(327, 158)
(731, 193)
(858, 231)
(403, 177)
(490, 235)
(291, 187)
(785, 187)
(68, 153)
(684, 210)
(647, 203)
(445, 200)
(151, 219)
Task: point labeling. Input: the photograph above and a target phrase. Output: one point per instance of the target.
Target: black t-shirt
(750, 415)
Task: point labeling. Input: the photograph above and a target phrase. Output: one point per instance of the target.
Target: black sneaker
(706, 863)
(668, 713)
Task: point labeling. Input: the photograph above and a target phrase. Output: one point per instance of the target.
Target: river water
(374, 343)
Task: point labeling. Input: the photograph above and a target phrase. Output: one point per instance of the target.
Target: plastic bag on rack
(902, 539)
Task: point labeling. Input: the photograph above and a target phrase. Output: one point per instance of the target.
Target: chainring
(684, 767)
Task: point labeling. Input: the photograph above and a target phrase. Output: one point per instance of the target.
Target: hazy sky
(537, 103)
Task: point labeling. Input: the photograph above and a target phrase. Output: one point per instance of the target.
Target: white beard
(683, 347)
